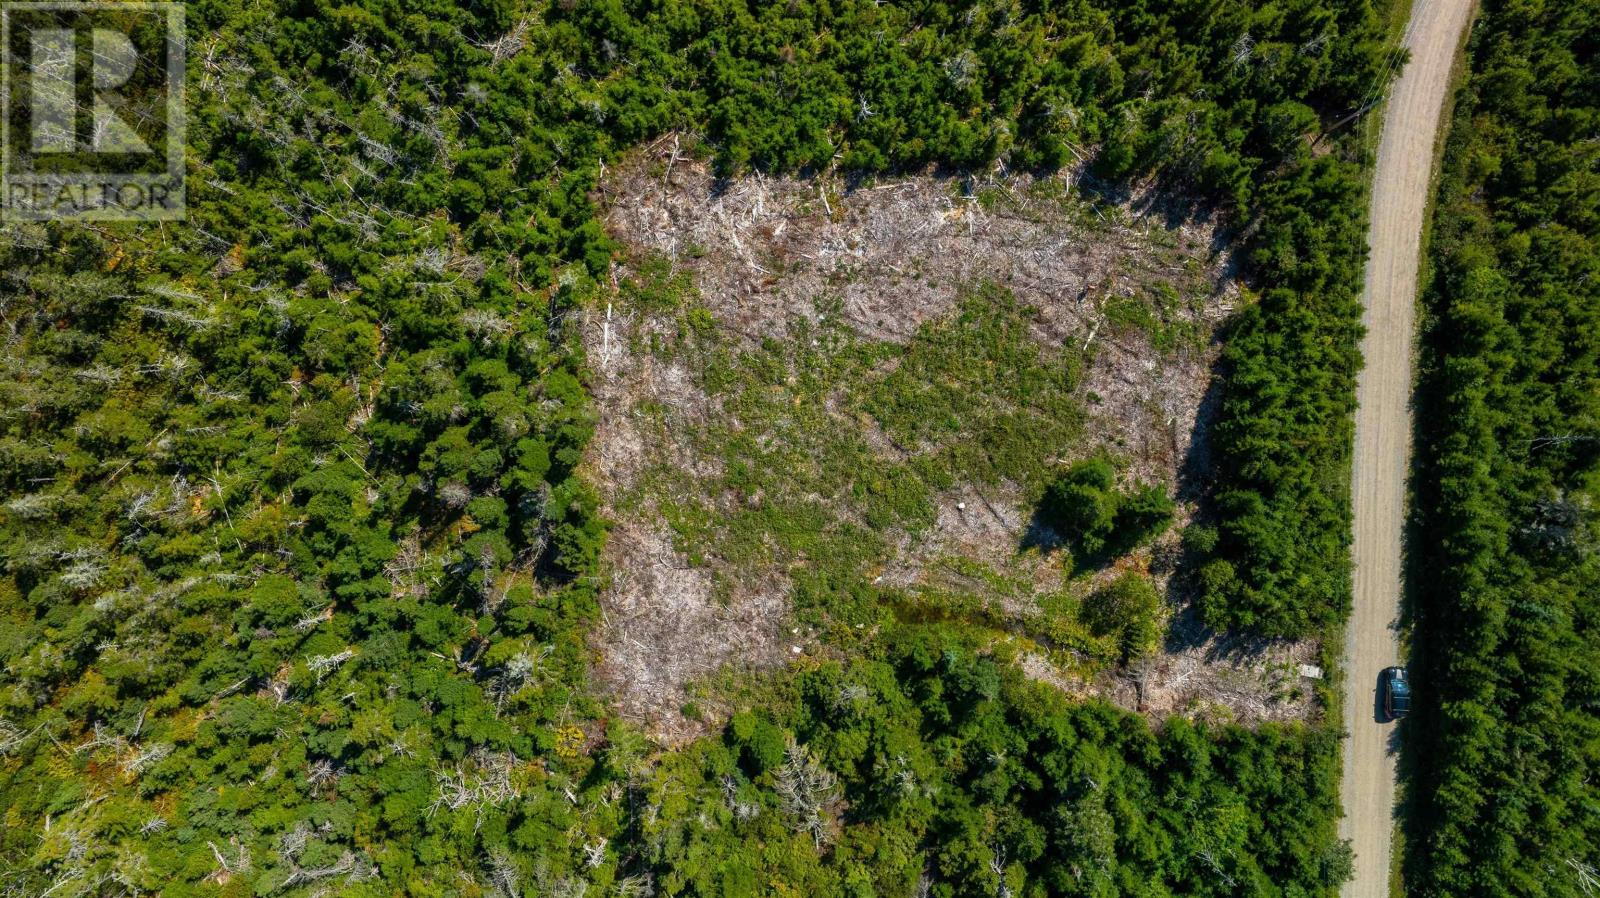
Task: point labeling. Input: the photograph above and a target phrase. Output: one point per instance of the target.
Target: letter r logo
(93, 123)
(54, 87)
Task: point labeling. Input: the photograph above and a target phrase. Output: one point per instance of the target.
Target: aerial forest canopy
(1506, 742)
(298, 567)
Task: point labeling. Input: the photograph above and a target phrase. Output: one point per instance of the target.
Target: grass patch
(817, 456)
(1158, 314)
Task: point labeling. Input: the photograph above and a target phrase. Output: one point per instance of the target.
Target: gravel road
(1400, 194)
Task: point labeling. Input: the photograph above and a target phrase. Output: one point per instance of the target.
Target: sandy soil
(1383, 430)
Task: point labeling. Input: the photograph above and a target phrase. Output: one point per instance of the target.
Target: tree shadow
(1161, 200)
(1040, 535)
(1195, 480)
(1196, 472)
(1186, 630)
(1421, 588)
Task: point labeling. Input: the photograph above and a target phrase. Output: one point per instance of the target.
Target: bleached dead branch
(511, 43)
(485, 780)
(322, 665)
(806, 790)
(239, 863)
(503, 873)
(144, 758)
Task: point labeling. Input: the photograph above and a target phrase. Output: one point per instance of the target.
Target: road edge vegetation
(1505, 742)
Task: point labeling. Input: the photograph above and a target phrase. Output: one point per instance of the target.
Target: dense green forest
(297, 572)
(1504, 748)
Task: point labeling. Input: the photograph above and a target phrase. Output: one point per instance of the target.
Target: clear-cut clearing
(807, 388)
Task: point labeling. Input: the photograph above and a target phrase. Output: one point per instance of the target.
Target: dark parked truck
(1396, 693)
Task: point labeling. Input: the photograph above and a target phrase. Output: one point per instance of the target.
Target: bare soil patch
(660, 610)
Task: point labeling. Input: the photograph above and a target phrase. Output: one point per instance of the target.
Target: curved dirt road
(1400, 191)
